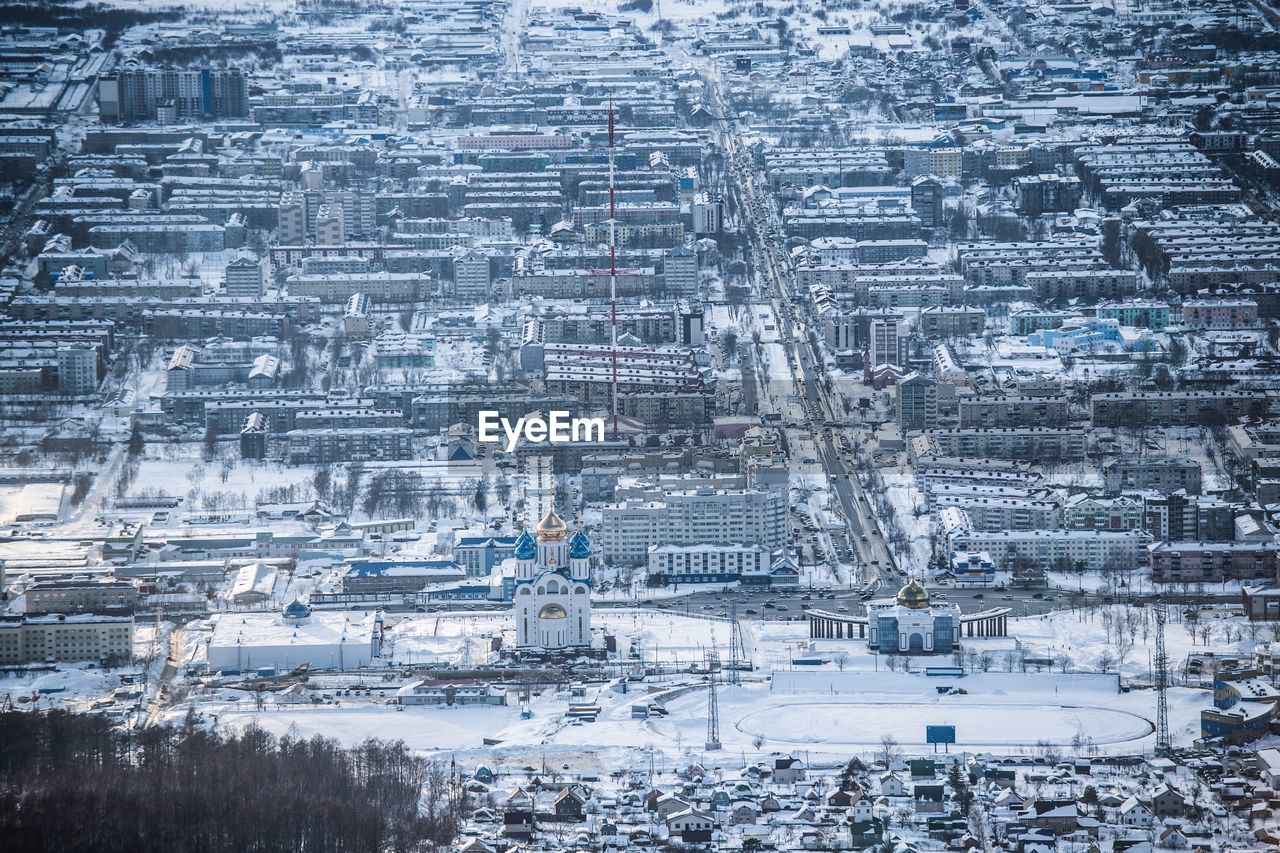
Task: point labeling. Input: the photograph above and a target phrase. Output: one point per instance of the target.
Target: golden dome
(551, 528)
(913, 596)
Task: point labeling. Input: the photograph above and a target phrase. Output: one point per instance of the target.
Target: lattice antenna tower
(1164, 744)
(735, 645)
(713, 700)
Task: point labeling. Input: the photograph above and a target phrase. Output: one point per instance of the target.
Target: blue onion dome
(526, 547)
(579, 546)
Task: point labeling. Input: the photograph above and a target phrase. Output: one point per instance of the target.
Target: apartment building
(57, 637)
(1063, 550)
(326, 446)
(1179, 516)
(1088, 512)
(472, 278)
(705, 562)
(693, 516)
(1220, 314)
(1039, 443)
(244, 276)
(917, 402)
(1152, 473)
(77, 369)
(379, 287)
(331, 228)
(1001, 508)
(78, 596)
(1215, 562)
(952, 321)
(1047, 193)
(134, 94)
(887, 341)
(1088, 284)
(1140, 313)
(1175, 408)
(1013, 411)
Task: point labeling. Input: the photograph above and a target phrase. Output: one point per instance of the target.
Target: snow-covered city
(738, 425)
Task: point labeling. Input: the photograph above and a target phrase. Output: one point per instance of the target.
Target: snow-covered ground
(844, 704)
(1002, 712)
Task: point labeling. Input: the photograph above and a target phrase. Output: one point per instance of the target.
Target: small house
(569, 804)
(690, 826)
(668, 805)
(788, 770)
(743, 812)
(1133, 812)
(891, 785)
(928, 797)
(1167, 802)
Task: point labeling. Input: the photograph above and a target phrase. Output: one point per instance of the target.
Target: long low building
(379, 287)
(1007, 443)
(1002, 508)
(403, 576)
(705, 562)
(1003, 411)
(1175, 408)
(451, 693)
(326, 446)
(285, 641)
(79, 596)
(1093, 550)
(46, 637)
(720, 562)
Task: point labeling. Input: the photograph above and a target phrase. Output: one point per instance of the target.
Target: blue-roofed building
(1244, 706)
(479, 554)
(407, 576)
(972, 568)
(475, 589)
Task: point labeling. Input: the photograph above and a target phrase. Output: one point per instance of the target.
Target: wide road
(764, 230)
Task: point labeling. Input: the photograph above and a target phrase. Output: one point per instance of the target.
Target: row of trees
(73, 783)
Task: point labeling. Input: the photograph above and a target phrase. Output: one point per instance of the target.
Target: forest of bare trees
(71, 782)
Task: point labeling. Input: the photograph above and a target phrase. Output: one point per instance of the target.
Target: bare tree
(889, 751)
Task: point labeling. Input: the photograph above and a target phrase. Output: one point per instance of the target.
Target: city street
(873, 557)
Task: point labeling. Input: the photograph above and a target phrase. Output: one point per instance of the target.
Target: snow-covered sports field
(822, 714)
(823, 710)
(978, 724)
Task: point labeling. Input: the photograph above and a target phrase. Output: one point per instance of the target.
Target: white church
(552, 588)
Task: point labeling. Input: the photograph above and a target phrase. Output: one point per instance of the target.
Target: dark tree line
(66, 16)
(394, 492)
(71, 782)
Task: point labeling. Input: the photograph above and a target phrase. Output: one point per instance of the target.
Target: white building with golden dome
(552, 595)
(912, 624)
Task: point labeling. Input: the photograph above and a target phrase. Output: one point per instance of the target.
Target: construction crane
(1164, 744)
